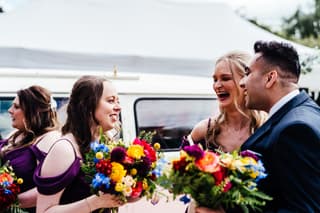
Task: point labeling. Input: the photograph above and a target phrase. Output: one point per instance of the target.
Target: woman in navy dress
(34, 118)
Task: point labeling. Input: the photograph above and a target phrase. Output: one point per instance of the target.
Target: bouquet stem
(114, 210)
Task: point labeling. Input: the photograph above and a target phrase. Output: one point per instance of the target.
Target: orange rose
(209, 162)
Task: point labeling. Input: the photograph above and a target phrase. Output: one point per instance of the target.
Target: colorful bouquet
(217, 180)
(9, 188)
(129, 171)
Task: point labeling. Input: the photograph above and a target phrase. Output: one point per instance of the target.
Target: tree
(304, 27)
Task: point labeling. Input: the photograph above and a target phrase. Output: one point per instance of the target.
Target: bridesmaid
(93, 104)
(34, 118)
(235, 123)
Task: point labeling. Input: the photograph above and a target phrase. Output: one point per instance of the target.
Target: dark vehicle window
(172, 118)
(5, 120)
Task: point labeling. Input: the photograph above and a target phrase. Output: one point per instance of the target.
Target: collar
(285, 99)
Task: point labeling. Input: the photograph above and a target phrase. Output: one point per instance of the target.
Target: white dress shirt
(285, 99)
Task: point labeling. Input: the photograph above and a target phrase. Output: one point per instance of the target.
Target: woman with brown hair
(34, 118)
(93, 104)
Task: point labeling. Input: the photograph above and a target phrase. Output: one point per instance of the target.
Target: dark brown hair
(84, 99)
(280, 54)
(40, 117)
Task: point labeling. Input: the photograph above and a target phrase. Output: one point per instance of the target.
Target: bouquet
(9, 189)
(129, 171)
(217, 179)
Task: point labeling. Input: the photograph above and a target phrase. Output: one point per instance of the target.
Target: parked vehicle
(169, 104)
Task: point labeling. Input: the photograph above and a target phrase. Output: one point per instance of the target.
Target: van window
(172, 118)
(5, 120)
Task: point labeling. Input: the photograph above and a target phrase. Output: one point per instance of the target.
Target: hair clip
(53, 103)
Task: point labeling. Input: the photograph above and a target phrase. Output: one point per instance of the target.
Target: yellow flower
(99, 155)
(119, 187)
(183, 154)
(133, 171)
(145, 184)
(118, 172)
(228, 161)
(153, 165)
(135, 151)
(20, 181)
(248, 160)
(157, 146)
(254, 174)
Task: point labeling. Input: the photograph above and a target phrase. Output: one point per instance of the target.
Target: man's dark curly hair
(280, 54)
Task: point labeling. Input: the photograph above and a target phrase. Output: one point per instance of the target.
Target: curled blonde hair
(236, 62)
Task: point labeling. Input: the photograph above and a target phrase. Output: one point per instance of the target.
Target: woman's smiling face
(226, 85)
(108, 109)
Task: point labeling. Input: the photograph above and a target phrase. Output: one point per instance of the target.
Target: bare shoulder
(199, 131)
(59, 158)
(46, 142)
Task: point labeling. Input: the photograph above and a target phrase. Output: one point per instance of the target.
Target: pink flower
(148, 150)
(227, 186)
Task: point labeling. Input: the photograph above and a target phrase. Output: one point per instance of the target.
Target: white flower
(128, 181)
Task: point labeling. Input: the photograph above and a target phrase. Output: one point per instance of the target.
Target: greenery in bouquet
(126, 170)
(9, 189)
(215, 179)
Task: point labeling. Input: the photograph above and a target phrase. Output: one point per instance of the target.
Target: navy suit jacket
(289, 142)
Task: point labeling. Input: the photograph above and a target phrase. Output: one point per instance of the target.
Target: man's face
(253, 84)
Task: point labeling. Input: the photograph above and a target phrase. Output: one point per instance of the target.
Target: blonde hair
(236, 62)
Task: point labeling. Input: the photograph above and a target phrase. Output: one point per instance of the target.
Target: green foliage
(304, 25)
(307, 62)
(147, 136)
(14, 209)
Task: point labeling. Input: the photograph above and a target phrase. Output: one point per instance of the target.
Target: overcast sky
(268, 12)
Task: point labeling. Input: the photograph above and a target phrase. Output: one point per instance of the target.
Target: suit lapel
(274, 119)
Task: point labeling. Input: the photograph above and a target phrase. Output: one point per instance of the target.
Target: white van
(169, 104)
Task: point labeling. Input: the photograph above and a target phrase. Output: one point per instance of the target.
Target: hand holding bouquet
(9, 188)
(128, 171)
(217, 179)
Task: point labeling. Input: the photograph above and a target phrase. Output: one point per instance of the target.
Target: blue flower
(159, 168)
(106, 182)
(5, 183)
(98, 179)
(185, 199)
(7, 191)
(97, 147)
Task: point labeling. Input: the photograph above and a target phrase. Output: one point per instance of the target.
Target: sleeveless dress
(72, 180)
(24, 161)
(187, 141)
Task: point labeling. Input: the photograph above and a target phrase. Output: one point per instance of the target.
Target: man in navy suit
(289, 141)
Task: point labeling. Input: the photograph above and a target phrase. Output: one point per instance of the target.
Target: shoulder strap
(66, 139)
(39, 139)
(208, 126)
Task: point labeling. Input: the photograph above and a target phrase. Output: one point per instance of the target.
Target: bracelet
(88, 204)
